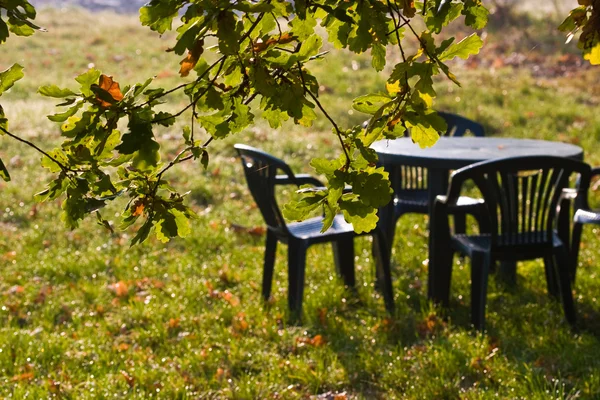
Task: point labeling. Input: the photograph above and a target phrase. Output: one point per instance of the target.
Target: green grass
(82, 315)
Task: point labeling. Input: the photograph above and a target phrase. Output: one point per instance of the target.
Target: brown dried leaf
(190, 61)
(112, 87)
(138, 209)
(128, 378)
(121, 289)
(27, 376)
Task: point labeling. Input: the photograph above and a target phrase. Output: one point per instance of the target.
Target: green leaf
(142, 233)
(421, 133)
(435, 21)
(378, 54)
(373, 187)
(158, 15)
(463, 49)
(363, 218)
(326, 167)
(227, 34)
(55, 91)
(370, 103)
(3, 31)
(302, 209)
(476, 15)
(310, 47)
(4, 172)
(62, 117)
(87, 79)
(303, 28)
(9, 76)
(58, 155)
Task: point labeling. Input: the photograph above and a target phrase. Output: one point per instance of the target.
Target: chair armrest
(298, 179)
(442, 199)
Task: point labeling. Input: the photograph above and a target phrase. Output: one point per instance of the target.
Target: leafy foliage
(260, 62)
(585, 18)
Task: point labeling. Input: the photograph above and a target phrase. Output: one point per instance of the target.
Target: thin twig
(30, 144)
(193, 102)
(335, 126)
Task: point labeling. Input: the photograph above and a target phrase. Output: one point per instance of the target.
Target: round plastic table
(451, 153)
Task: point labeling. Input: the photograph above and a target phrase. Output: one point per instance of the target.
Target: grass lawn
(83, 315)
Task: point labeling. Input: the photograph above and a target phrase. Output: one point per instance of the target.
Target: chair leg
(564, 281)
(553, 290)
(296, 268)
(508, 272)
(384, 274)
(269, 265)
(575, 242)
(480, 265)
(343, 254)
(440, 267)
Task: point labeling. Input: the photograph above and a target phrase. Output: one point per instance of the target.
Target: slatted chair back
(521, 195)
(408, 177)
(261, 170)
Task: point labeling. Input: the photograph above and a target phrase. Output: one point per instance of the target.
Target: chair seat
(311, 228)
(524, 247)
(418, 201)
(587, 217)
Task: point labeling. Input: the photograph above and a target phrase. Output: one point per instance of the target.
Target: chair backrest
(261, 169)
(521, 195)
(458, 125)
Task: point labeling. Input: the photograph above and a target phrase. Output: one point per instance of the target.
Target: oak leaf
(190, 61)
(112, 87)
(120, 289)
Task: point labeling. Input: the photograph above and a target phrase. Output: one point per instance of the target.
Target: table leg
(437, 184)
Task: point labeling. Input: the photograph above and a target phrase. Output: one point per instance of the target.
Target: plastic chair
(583, 215)
(521, 195)
(410, 183)
(261, 170)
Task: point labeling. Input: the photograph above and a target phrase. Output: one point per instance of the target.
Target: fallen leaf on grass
(430, 325)
(17, 289)
(253, 231)
(43, 294)
(27, 376)
(173, 323)
(225, 295)
(323, 316)
(123, 347)
(316, 341)
(120, 289)
(239, 323)
(128, 378)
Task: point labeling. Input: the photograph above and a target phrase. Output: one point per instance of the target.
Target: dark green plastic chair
(584, 215)
(410, 183)
(261, 171)
(521, 196)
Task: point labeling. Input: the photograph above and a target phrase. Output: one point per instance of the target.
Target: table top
(457, 152)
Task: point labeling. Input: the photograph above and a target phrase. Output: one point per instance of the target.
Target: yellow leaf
(393, 87)
(593, 54)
